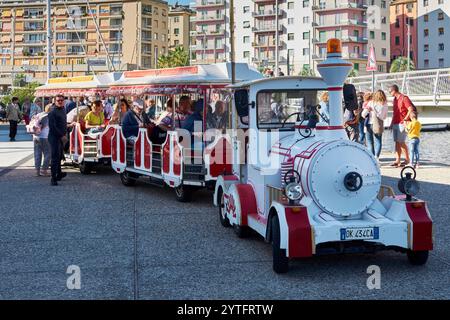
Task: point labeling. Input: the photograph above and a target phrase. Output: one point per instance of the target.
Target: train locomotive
(303, 186)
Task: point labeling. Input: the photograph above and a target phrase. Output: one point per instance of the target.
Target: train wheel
(85, 168)
(183, 193)
(280, 261)
(241, 231)
(222, 214)
(128, 178)
(417, 258)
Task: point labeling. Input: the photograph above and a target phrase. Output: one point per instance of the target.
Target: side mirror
(241, 102)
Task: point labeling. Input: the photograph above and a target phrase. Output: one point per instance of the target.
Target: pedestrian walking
(26, 108)
(376, 111)
(56, 137)
(13, 115)
(41, 145)
(402, 107)
(413, 128)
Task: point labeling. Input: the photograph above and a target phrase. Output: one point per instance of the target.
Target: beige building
(180, 26)
(95, 36)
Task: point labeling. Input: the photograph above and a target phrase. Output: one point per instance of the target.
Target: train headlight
(293, 191)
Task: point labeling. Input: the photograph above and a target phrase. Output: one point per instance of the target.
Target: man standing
(13, 116)
(402, 105)
(57, 122)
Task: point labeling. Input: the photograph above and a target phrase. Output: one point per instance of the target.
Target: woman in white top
(42, 146)
(324, 107)
(377, 111)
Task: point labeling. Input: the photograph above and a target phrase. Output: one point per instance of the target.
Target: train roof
(193, 77)
(77, 86)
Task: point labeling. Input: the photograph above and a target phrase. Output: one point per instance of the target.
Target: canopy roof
(77, 86)
(182, 79)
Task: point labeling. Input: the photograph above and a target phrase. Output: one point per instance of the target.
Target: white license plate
(360, 233)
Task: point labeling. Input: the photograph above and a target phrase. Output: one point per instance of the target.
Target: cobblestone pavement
(139, 243)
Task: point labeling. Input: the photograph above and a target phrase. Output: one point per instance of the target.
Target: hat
(138, 103)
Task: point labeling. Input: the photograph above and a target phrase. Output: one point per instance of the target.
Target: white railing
(427, 86)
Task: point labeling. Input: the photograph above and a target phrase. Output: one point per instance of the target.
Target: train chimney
(334, 70)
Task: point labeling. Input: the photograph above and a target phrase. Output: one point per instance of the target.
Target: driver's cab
(268, 110)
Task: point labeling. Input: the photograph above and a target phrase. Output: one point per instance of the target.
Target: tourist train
(275, 167)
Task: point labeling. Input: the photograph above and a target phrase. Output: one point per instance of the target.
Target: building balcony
(343, 39)
(267, 28)
(209, 19)
(341, 23)
(271, 44)
(340, 6)
(210, 4)
(267, 13)
(201, 34)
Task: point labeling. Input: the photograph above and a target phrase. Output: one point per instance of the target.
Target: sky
(179, 1)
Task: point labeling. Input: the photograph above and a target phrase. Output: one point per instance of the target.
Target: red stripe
(422, 226)
(247, 201)
(330, 128)
(335, 89)
(300, 240)
(334, 65)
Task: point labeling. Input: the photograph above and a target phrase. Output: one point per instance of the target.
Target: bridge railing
(430, 87)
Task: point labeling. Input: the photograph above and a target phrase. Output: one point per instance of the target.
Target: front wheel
(128, 179)
(280, 260)
(183, 193)
(85, 168)
(417, 258)
(222, 214)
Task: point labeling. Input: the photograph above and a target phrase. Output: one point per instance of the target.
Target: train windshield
(275, 107)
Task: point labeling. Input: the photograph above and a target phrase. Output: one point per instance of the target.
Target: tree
(19, 80)
(307, 72)
(401, 65)
(177, 57)
(353, 73)
(23, 93)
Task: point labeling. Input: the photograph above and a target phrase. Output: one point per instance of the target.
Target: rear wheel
(280, 260)
(128, 178)
(417, 258)
(85, 168)
(222, 214)
(183, 193)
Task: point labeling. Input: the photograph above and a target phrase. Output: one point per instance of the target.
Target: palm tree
(401, 65)
(177, 57)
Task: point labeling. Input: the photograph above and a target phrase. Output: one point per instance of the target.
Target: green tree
(177, 57)
(23, 93)
(401, 65)
(353, 73)
(307, 72)
(19, 80)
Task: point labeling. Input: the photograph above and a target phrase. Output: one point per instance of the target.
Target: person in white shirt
(377, 111)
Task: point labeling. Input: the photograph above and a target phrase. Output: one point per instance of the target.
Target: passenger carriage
(177, 161)
(85, 150)
(302, 185)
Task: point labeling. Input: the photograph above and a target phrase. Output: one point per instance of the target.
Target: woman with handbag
(377, 111)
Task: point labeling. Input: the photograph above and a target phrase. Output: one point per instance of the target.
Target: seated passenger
(163, 124)
(184, 110)
(132, 121)
(120, 109)
(195, 120)
(218, 119)
(95, 120)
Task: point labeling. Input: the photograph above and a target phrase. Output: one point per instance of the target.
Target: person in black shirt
(57, 123)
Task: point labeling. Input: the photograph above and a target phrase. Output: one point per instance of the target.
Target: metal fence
(429, 87)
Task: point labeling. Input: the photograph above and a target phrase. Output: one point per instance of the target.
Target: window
(372, 34)
(397, 40)
(290, 36)
(305, 35)
(246, 39)
(305, 3)
(425, 18)
(441, 47)
(176, 19)
(384, 52)
(246, 24)
(426, 63)
(290, 5)
(306, 19)
(441, 31)
(383, 36)
(440, 16)
(356, 66)
(246, 9)
(176, 31)
(275, 106)
(290, 21)
(441, 63)
(246, 54)
(425, 33)
(426, 47)
(306, 51)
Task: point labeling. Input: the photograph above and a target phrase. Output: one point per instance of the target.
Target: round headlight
(293, 191)
(412, 187)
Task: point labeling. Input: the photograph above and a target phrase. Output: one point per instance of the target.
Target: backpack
(35, 125)
(350, 97)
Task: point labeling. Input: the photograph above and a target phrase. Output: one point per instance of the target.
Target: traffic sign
(371, 60)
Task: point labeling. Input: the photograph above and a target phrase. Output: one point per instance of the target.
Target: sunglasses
(59, 100)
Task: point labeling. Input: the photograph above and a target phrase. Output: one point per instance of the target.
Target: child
(413, 128)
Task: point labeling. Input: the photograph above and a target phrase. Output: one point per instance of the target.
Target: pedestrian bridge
(428, 89)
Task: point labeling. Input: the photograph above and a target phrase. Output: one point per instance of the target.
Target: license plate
(360, 233)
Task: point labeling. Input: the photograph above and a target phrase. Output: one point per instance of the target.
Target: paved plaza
(140, 243)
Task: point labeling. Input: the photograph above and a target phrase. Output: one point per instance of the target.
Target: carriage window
(275, 106)
(218, 113)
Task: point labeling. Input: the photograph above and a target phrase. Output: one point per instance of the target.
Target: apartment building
(403, 21)
(180, 26)
(433, 34)
(359, 24)
(211, 35)
(94, 36)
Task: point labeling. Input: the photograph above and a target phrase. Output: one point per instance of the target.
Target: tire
(183, 193)
(417, 258)
(85, 168)
(222, 215)
(128, 179)
(280, 260)
(241, 231)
